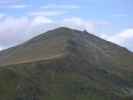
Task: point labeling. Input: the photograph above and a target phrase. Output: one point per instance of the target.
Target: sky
(21, 20)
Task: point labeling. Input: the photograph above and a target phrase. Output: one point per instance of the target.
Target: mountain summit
(64, 64)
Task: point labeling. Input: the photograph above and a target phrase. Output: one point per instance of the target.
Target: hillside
(64, 64)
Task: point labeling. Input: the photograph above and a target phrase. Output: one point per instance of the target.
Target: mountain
(66, 64)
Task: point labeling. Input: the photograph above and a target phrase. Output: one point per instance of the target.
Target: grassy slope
(66, 64)
(56, 79)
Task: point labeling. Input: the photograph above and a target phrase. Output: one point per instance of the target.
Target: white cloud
(78, 23)
(55, 6)
(127, 34)
(53, 10)
(1, 48)
(120, 15)
(124, 38)
(10, 1)
(47, 13)
(41, 20)
(1, 15)
(13, 4)
(17, 6)
(12, 28)
(10, 22)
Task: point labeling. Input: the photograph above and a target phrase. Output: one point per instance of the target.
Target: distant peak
(69, 29)
(85, 31)
(63, 28)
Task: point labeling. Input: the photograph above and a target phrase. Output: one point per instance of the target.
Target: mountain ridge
(66, 64)
(68, 35)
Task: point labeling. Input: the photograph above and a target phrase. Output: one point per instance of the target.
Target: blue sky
(23, 19)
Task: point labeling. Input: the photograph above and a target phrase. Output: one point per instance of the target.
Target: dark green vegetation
(66, 64)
